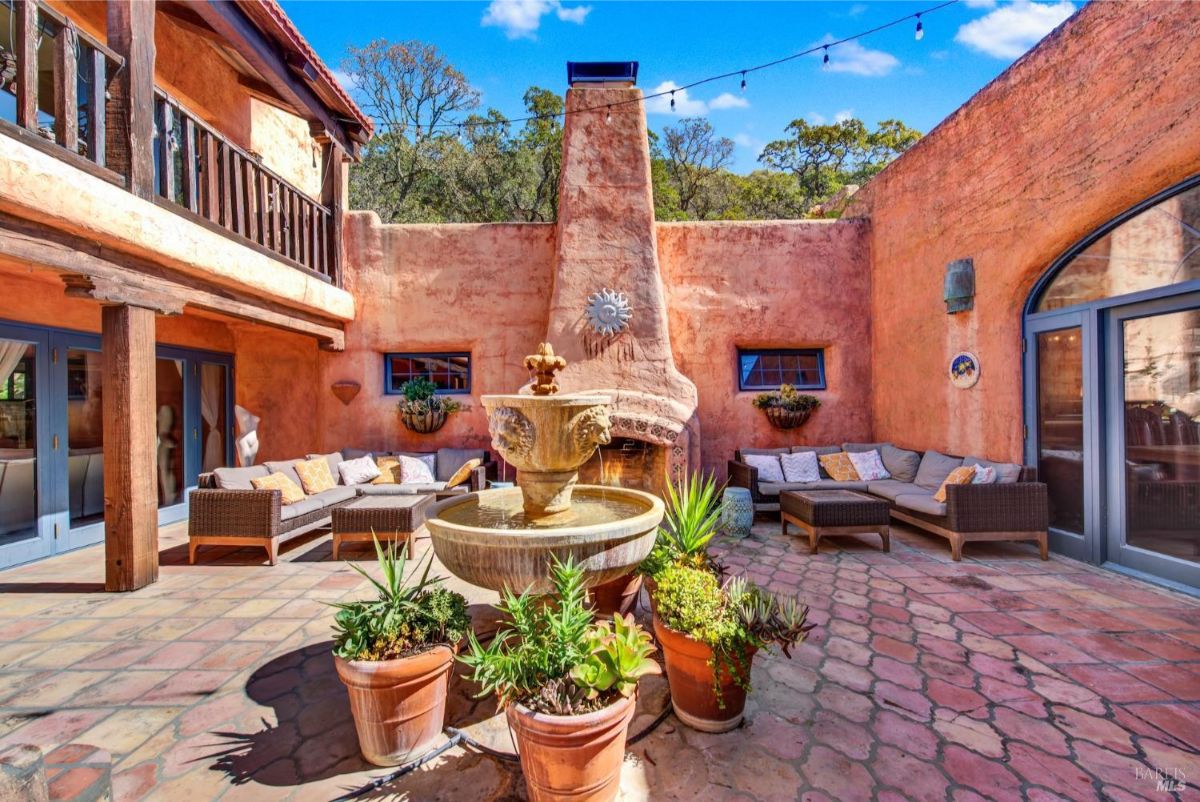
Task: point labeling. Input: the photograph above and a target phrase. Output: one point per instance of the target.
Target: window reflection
(1060, 425)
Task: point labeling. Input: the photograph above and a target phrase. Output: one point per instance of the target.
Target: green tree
(693, 155)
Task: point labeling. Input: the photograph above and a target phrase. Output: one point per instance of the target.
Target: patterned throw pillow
(289, 492)
(769, 469)
(868, 465)
(463, 473)
(413, 469)
(839, 467)
(800, 466)
(959, 476)
(315, 476)
(358, 471)
(389, 471)
(984, 475)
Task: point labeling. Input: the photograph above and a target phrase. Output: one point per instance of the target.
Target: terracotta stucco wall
(1102, 115)
(778, 284)
(477, 288)
(485, 288)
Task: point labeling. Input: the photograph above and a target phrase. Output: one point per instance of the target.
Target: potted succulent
(568, 685)
(395, 653)
(709, 635)
(692, 519)
(786, 408)
(422, 410)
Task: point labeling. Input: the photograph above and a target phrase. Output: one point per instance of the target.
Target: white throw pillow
(868, 465)
(801, 467)
(358, 471)
(983, 476)
(769, 469)
(414, 469)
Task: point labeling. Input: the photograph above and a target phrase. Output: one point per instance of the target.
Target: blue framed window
(767, 368)
(451, 371)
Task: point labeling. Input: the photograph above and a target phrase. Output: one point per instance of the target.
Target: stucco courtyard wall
(776, 284)
(1099, 117)
(486, 289)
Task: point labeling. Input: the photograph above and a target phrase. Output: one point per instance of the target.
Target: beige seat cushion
(290, 492)
(315, 476)
(775, 488)
(891, 489)
(921, 503)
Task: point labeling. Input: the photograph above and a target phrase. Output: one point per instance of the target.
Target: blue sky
(504, 46)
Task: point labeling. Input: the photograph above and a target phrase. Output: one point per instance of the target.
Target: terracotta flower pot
(690, 676)
(618, 596)
(399, 706)
(576, 758)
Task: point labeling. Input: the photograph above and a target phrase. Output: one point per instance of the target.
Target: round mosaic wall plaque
(964, 370)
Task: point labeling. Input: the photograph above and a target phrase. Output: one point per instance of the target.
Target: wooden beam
(231, 23)
(130, 498)
(26, 37)
(130, 146)
(101, 278)
(96, 104)
(66, 85)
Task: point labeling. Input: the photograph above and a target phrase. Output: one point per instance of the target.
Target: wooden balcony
(60, 93)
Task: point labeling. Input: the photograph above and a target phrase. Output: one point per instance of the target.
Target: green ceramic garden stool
(737, 512)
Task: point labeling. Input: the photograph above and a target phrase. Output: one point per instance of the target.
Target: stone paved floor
(1001, 677)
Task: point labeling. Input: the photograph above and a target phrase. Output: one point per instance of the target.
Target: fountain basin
(488, 539)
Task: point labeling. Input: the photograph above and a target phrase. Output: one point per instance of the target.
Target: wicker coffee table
(834, 512)
(389, 518)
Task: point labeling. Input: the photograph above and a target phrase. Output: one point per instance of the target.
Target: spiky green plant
(692, 519)
(553, 658)
(404, 618)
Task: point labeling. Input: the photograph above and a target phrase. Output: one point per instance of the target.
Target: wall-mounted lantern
(959, 289)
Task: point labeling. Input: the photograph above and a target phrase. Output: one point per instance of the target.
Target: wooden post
(130, 141)
(130, 498)
(166, 154)
(190, 195)
(96, 103)
(25, 41)
(66, 84)
(337, 205)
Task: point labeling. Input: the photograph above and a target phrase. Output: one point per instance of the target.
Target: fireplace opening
(627, 462)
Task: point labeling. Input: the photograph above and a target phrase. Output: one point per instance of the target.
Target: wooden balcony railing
(211, 177)
(65, 111)
(64, 105)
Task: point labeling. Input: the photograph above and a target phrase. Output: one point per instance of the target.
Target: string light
(743, 82)
(823, 49)
(608, 115)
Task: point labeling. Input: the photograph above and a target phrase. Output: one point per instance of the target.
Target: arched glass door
(1112, 390)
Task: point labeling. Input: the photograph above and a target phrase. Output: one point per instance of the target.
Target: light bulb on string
(608, 115)
(743, 82)
(825, 61)
(672, 100)
(920, 29)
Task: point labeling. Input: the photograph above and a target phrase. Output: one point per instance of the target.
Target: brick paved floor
(1001, 677)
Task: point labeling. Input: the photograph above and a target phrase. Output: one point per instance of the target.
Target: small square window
(450, 372)
(767, 368)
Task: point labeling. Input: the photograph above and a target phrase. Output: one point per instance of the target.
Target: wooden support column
(130, 142)
(25, 41)
(130, 499)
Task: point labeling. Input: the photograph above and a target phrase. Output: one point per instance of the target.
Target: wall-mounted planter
(426, 422)
(782, 418)
(345, 391)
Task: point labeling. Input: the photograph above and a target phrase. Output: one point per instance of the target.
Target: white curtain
(211, 399)
(11, 352)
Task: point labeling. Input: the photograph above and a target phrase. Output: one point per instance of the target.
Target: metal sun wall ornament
(608, 312)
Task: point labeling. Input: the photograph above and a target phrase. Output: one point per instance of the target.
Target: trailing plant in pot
(422, 410)
(568, 685)
(395, 653)
(786, 408)
(709, 634)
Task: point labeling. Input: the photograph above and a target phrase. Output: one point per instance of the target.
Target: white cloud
(345, 79)
(1010, 30)
(520, 19)
(749, 142)
(980, 3)
(688, 106)
(855, 59)
(728, 100)
(843, 115)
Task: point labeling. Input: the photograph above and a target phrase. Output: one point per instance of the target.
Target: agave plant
(693, 518)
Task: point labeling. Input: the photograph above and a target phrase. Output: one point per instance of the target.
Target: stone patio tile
(176, 655)
(1163, 646)
(1167, 620)
(1180, 721)
(128, 728)
(54, 688)
(272, 629)
(55, 728)
(914, 779)
(1049, 649)
(1179, 679)
(978, 736)
(1058, 773)
(122, 687)
(1114, 684)
(836, 774)
(975, 771)
(185, 688)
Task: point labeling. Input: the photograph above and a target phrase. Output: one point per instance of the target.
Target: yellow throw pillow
(389, 471)
(277, 481)
(464, 473)
(958, 476)
(839, 467)
(315, 476)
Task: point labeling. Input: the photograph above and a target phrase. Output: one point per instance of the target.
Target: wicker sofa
(1015, 507)
(226, 510)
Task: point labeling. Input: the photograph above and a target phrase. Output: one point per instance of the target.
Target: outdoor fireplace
(626, 462)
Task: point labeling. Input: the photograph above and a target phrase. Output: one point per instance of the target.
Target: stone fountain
(504, 538)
